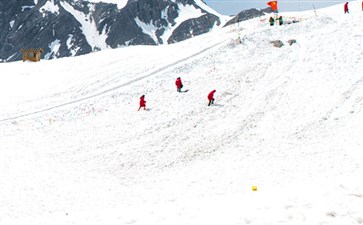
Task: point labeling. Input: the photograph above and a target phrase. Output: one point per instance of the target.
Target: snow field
(74, 149)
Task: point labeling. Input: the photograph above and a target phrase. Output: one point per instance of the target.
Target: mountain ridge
(65, 28)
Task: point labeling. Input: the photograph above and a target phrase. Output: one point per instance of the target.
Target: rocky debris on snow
(291, 41)
(277, 43)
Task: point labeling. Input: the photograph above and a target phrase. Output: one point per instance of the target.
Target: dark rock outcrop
(248, 14)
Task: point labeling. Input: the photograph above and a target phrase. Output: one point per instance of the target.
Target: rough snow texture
(75, 150)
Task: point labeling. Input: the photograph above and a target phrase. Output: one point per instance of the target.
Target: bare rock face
(248, 14)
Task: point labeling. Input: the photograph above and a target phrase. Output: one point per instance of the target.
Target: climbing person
(272, 21)
(211, 97)
(179, 84)
(346, 10)
(142, 102)
(280, 21)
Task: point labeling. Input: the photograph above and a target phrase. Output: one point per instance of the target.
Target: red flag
(273, 5)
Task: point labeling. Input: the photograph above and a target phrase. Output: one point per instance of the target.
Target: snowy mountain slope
(120, 3)
(286, 119)
(70, 27)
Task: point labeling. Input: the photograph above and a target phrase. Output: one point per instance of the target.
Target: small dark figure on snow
(179, 84)
(211, 98)
(280, 21)
(346, 10)
(272, 21)
(142, 102)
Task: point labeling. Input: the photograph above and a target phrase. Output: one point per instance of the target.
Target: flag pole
(274, 6)
(277, 13)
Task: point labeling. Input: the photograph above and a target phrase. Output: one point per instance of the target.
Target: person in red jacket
(346, 10)
(211, 98)
(142, 102)
(179, 84)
